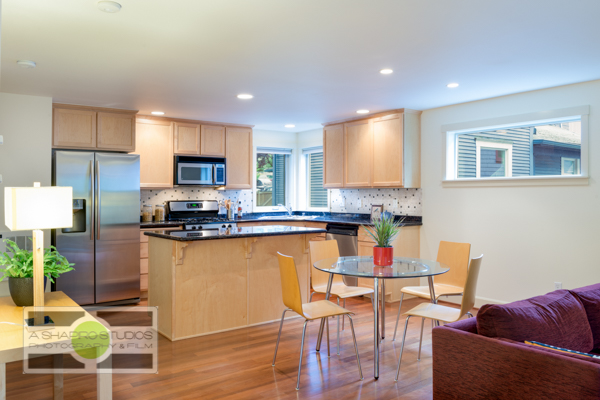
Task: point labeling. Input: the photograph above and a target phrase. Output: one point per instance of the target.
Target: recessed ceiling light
(158, 113)
(109, 6)
(362, 112)
(26, 64)
(290, 126)
(244, 96)
(452, 85)
(386, 71)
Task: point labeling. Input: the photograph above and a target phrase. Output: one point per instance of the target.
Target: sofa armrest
(471, 366)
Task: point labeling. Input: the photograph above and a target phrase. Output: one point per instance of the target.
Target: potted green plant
(18, 268)
(383, 232)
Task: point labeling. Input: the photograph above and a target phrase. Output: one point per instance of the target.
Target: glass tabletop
(363, 267)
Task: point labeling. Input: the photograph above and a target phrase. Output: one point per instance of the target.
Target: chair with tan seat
(452, 283)
(320, 250)
(444, 314)
(323, 309)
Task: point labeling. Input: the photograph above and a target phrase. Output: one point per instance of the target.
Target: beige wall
(531, 237)
(26, 155)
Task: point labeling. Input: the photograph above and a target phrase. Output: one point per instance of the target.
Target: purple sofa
(486, 357)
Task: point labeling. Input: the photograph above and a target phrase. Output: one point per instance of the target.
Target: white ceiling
(305, 61)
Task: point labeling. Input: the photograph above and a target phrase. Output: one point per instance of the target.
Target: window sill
(518, 181)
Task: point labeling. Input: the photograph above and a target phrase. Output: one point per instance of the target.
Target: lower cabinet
(144, 258)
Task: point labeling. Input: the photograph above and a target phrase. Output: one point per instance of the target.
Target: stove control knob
(194, 227)
(224, 226)
(229, 226)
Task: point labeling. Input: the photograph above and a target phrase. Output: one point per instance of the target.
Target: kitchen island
(206, 282)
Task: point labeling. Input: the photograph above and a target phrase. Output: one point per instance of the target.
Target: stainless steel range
(198, 215)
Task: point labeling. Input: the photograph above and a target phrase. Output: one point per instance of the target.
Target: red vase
(383, 256)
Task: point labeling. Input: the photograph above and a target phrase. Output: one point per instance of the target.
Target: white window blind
(317, 195)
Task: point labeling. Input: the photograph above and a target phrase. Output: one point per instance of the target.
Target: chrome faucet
(289, 210)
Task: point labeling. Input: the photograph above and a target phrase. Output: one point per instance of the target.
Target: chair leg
(301, 351)
(343, 318)
(355, 346)
(338, 331)
(310, 298)
(279, 336)
(328, 342)
(398, 316)
(421, 339)
(469, 314)
(402, 347)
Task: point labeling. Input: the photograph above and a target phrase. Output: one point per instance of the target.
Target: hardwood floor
(237, 365)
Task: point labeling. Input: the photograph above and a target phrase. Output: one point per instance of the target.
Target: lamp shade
(29, 208)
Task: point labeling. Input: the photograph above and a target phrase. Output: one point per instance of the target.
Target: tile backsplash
(154, 197)
(341, 200)
(346, 200)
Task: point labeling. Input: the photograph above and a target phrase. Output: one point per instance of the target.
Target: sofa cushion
(557, 318)
(590, 297)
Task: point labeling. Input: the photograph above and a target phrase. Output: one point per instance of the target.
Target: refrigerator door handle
(92, 185)
(99, 196)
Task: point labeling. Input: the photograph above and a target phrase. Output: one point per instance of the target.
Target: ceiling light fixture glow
(244, 96)
(362, 112)
(386, 71)
(452, 85)
(109, 6)
(158, 113)
(290, 126)
(26, 64)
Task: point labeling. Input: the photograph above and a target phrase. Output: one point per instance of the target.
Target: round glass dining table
(363, 267)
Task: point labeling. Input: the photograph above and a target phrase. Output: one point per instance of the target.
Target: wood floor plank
(237, 365)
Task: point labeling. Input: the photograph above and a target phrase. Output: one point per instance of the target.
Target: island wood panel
(358, 154)
(333, 151)
(154, 144)
(161, 283)
(264, 279)
(238, 150)
(187, 138)
(116, 131)
(211, 287)
(212, 141)
(143, 250)
(74, 128)
(388, 151)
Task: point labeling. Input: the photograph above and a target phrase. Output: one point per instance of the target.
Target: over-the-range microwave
(199, 171)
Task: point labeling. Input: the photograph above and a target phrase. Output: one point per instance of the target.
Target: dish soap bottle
(239, 210)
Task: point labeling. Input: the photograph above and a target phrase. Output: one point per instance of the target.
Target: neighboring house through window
(272, 170)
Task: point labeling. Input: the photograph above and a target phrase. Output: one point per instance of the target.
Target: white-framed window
(518, 150)
(570, 166)
(493, 159)
(273, 173)
(316, 196)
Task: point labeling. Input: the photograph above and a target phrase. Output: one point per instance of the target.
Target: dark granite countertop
(166, 224)
(240, 232)
(333, 218)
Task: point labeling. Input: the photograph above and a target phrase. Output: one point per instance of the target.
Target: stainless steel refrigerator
(104, 242)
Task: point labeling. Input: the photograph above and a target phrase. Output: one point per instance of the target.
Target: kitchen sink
(292, 217)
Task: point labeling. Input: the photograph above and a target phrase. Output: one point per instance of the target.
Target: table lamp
(36, 208)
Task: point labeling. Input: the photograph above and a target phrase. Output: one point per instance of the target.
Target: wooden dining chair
(320, 250)
(452, 283)
(323, 309)
(444, 314)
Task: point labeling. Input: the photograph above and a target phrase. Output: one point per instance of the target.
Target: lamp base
(32, 327)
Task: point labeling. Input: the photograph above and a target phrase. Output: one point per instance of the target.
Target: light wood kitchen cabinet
(74, 128)
(154, 144)
(144, 249)
(187, 138)
(116, 131)
(387, 151)
(92, 128)
(333, 161)
(379, 151)
(212, 141)
(239, 157)
(358, 154)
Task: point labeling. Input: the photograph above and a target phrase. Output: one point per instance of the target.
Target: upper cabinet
(154, 144)
(80, 127)
(358, 154)
(333, 148)
(379, 151)
(239, 158)
(187, 138)
(212, 141)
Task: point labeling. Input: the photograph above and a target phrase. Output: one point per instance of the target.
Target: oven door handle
(214, 174)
